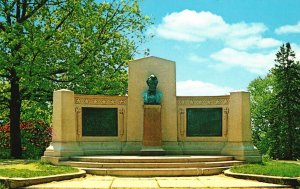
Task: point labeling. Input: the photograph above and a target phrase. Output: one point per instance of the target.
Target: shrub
(4, 142)
(36, 137)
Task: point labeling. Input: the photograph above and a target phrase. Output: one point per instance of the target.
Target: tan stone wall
(63, 120)
(139, 71)
(239, 143)
(64, 133)
(239, 117)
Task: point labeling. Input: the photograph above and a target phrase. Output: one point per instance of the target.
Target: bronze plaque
(152, 125)
(99, 122)
(204, 122)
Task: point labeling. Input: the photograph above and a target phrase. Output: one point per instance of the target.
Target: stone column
(64, 130)
(64, 125)
(239, 133)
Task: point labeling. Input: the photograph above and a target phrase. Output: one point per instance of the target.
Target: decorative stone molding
(213, 100)
(78, 110)
(226, 112)
(122, 115)
(181, 121)
(78, 121)
(100, 100)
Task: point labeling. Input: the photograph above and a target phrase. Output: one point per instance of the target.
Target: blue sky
(221, 45)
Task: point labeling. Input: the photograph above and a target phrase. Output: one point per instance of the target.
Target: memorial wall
(151, 120)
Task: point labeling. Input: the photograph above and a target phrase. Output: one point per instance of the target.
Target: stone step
(153, 165)
(138, 172)
(184, 165)
(150, 159)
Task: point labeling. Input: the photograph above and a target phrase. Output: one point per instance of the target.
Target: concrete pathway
(107, 182)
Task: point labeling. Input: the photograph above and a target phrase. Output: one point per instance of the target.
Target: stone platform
(152, 165)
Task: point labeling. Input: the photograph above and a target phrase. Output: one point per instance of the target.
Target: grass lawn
(272, 168)
(31, 168)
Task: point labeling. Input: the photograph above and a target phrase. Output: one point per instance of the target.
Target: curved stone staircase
(152, 165)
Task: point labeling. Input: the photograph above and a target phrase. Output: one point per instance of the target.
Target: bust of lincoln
(152, 95)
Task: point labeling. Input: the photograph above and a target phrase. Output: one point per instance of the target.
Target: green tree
(275, 107)
(261, 91)
(81, 45)
(285, 120)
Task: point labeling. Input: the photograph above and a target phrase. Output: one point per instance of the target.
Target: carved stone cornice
(100, 100)
(213, 100)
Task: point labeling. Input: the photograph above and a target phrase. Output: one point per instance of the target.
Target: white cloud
(243, 29)
(288, 29)
(258, 63)
(252, 42)
(268, 42)
(253, 62)
(196, 58)
(200, 88)
(192, 26)
(189, 25)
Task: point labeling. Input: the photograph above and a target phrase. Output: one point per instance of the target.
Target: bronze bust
(152, 95)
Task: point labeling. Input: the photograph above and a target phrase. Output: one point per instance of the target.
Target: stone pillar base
(152, 151)
(63, 149)
(244, 151)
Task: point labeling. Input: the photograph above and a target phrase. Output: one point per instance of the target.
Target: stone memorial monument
(151, 120)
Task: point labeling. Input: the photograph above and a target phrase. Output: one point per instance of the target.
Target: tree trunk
(14, 115)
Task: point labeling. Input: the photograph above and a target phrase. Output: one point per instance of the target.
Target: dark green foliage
(275, 107)
(261, 90)
(285, 118)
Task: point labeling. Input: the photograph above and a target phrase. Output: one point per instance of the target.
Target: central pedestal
(152, 131)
